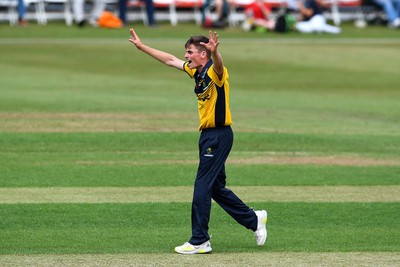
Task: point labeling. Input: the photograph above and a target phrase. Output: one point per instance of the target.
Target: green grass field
(98, 148)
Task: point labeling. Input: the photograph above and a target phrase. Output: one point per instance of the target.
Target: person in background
(21, 13)
(149, 11)
(392, 10)
(222, 11)
(257, 17)
(312, 20)
(78, 8)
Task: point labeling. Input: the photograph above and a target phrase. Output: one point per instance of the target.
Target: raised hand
(212, 43)
(135, 38)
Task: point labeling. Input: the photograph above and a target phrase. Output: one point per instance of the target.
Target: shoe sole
(200, 251)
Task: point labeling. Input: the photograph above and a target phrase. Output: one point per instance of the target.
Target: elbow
(169, 62)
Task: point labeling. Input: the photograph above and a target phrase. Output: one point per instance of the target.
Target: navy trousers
(214, 147)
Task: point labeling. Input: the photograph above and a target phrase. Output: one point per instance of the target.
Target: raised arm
(212, 46)
(163, 57)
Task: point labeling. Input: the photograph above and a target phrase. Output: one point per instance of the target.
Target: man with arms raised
(204, 63)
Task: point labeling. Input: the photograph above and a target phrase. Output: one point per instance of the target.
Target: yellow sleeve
(188, 70)
(214, 76)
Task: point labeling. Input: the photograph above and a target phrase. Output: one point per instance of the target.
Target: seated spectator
(257, 17)
(222, 10)
(79, 12)
(312, 20)
(392, 10)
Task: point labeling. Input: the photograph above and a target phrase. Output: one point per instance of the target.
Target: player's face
(194, 56)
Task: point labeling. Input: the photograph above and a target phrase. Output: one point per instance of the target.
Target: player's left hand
(212, 43)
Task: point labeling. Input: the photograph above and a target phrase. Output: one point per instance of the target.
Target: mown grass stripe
(56, 170)
(184, 194)
(159, 227)
(214, 259)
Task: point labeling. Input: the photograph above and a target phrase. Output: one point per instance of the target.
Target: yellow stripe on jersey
(212, 96)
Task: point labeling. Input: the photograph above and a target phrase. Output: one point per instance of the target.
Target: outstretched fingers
(134, 38)
(213, 36)
(212, 41)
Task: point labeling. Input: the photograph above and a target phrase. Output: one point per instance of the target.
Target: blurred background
(258, 15)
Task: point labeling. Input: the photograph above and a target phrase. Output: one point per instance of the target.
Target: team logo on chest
(201, 91)
(200, 83)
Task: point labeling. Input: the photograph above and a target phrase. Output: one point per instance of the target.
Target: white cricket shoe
(188, 248)
(261, 232)
(395, 23)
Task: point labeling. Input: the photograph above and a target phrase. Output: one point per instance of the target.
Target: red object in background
(255, 9)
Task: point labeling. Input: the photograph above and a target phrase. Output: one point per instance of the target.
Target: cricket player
(204, 64)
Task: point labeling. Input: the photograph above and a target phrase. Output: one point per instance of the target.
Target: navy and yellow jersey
(212, 96)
